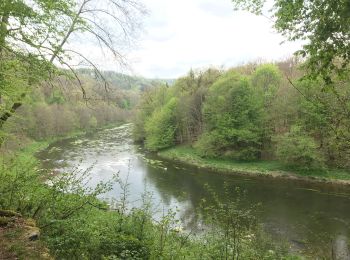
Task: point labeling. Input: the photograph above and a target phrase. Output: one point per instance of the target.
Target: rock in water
(340, 248)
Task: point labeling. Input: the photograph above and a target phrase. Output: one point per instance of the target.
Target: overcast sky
(184, 34)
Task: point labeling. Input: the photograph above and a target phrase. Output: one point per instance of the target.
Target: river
(309, 216)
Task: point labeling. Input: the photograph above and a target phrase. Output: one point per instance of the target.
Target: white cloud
(182, 34)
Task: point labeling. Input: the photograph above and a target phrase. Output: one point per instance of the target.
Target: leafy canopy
(161, 127)
(233, 118)
(324, 26)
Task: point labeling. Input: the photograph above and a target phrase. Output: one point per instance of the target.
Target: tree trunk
(8, 114)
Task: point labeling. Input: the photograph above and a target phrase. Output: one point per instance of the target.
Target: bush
(210, 144)
(124, 247)
(297, 149)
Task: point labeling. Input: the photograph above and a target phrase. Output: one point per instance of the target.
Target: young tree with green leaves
(266, 81)
(233, 119)
(161, 127)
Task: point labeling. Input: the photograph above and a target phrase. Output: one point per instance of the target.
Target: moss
(16, 243)
(4, 221)
(9, 213)
(30, 222)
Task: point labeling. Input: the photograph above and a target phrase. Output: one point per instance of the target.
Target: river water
(308, 216)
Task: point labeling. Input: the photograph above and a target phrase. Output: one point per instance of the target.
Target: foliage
(127, 82)
(58, 111)
(323, 27)
(33, 39)
(297, 148)
(238, 114)
(233, 116)
(267, 79)
(151, 100)
(76, 225)
(161, 127)
(190, 92)
(322, 24)
(234, 232)
(325, 114)
(236, 224)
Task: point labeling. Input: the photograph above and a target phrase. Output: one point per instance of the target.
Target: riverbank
(76, 223)
(272, 169)
(19, 235)
(19, 238)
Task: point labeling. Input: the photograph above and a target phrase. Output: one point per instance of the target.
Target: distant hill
(127, 82)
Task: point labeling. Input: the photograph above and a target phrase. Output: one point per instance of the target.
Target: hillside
(125, 81)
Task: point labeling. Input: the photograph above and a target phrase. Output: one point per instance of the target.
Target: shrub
(297, 149)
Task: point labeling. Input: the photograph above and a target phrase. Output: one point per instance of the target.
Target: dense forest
(252, 112)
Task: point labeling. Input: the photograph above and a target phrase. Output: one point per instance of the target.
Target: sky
(184, 34)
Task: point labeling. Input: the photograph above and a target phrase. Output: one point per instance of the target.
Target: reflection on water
(305, 214)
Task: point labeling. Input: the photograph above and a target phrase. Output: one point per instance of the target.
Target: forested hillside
(252, 112)
(60, 106)
(124, 81)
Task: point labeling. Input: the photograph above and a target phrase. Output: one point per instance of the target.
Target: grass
(189, 155)
(15, 243)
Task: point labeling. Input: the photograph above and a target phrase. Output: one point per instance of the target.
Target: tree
(191, 92)
(324, 26)
(266, 81)
(233, 119)
(326, 116)
(36, 35)
(161, 127)
(152, 99)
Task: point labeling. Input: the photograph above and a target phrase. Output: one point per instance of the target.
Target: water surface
(307, 215)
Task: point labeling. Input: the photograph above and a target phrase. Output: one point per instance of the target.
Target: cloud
(215, 8)
(180, 35)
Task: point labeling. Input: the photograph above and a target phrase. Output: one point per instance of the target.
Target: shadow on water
(309, 216)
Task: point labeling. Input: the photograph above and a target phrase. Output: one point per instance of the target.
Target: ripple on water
(289, 208)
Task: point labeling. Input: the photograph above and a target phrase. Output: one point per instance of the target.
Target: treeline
(252, 112)
(64, 105)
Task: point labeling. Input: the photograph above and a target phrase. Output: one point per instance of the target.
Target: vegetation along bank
(251, 119)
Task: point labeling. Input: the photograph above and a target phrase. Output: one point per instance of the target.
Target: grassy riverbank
(275, 169)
